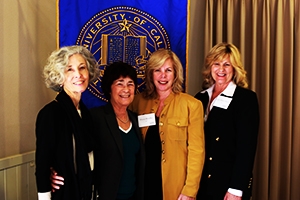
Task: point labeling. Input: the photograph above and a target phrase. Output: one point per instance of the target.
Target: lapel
(204, 98)
(133, 119)
(113, 126)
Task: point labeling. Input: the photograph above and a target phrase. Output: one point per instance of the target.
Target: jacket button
(163, 151)
(163, 160)
(161, 132)
(178, 123)
(217, 139)
(210, 158)
(209, 176)
(163, 142)
(161, 124)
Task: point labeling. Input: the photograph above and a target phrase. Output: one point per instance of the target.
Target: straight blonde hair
(156, 60)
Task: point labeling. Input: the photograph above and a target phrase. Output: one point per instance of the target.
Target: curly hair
(156, 60)
(218, 53)
(58, 60)
(113, 72)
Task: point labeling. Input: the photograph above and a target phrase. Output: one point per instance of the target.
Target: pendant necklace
(124, 122)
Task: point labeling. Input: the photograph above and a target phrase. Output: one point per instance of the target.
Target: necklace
(124, 122)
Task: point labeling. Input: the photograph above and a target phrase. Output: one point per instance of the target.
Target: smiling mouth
(79, 83)
(125, 96)
(163, 82)
(221, 74)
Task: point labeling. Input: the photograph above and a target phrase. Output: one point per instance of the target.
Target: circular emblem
(122, 33)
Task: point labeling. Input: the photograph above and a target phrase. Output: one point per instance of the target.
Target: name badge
(222, 102)
(146, 120)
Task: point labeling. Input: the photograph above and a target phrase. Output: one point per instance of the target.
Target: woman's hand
(56, 181)
(183, 197)
(229, 196)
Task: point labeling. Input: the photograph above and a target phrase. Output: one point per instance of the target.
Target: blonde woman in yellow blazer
(179, 129)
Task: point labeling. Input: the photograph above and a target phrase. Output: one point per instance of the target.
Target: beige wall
(27, 36)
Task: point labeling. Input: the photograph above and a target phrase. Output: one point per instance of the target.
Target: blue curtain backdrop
(138, 26)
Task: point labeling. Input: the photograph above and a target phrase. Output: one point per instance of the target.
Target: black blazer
(230, 143)
(109, 154)
(56, 123)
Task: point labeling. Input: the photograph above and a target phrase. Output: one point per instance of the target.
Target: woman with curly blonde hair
(219, 53)
(231, 126)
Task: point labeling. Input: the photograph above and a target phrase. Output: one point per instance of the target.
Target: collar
(169, 98)
(229, 90)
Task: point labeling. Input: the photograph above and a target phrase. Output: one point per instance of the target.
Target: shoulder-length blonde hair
(218, 53)
(156, 60)
(58, 60)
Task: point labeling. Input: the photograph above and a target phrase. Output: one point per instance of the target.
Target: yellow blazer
(182, 139)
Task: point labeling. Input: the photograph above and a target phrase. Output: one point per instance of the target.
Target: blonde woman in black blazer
(231, 126)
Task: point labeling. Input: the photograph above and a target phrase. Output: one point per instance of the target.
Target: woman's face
(76, 75)
(222, 71)
(122, 91)
(163, 77)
